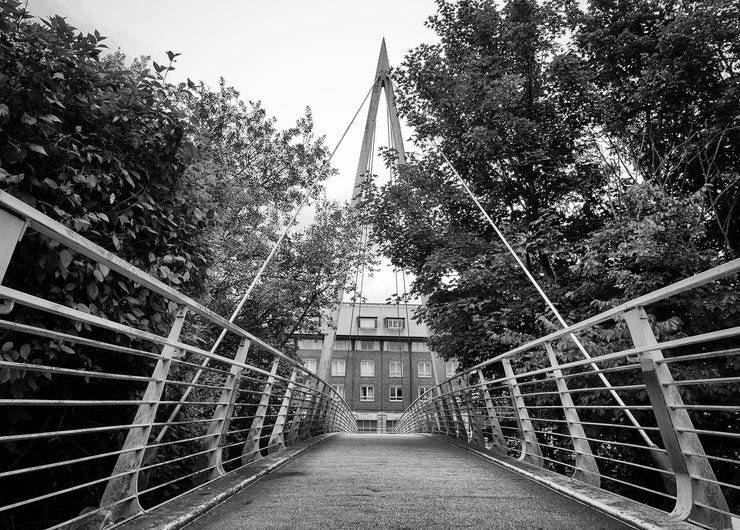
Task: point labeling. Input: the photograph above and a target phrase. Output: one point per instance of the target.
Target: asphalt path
(392, 481)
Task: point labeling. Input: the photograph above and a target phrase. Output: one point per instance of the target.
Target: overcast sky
(289, 54)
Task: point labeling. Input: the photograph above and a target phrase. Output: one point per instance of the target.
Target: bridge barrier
(655, 421)
(115, 420)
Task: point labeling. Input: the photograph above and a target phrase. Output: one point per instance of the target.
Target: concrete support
(277, 438)
(587, 469)
(121, 492)
(219, 424)
(251, 450)
(531, 451)
(497, 435)
(698, 497)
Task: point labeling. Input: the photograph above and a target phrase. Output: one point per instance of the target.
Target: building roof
(350, 312)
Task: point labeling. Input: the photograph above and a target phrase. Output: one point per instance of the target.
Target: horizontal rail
(104, 400)
(653, 415)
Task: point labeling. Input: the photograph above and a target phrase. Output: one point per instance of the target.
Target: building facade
(379, 361)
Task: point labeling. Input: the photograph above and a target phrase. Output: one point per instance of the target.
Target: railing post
(449, 418)
(295, 424)
(304, 431)
(461, 430)
(277, 438)
(430, 412)
(329, 421)
(475, 428)
(219, 424)
(324, 397)
(444, 411)
(11, 231)
(531, 451)
(251, 450)
(685, 451)
(121, 492)
(587, 470)
(497, 435)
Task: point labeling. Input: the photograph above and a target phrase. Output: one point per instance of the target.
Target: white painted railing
(251, 399)
(545, 404)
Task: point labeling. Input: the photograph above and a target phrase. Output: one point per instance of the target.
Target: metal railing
(545, 404)
(91, 438)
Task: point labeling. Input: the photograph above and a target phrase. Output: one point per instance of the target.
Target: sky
(289, 54)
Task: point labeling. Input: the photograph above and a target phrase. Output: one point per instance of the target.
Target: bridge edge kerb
(181, 511)
(639, 516)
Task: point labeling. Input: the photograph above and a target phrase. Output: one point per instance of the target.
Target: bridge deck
(416, 481)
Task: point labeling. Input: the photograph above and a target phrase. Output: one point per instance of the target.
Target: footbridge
(152, 430)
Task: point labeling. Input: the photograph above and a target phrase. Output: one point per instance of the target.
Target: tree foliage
(602, 141)
(566, 125)
(186, 182)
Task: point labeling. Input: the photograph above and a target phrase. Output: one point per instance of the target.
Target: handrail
(713, 274)
(237, 414)
(57, 231)
(553, 414)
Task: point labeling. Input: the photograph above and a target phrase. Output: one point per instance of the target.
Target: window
(367, 322)
(395, 346)
(395, 393)
(368, 345)
(341, 345)
(396, 369)
(340, 390)
(423, 390)
(419, 346)
(338, 367)
(367, 393)
(310, 365)
(367, 369)
(395, 323)
(310, 344)
(425, 369)
(450, 368)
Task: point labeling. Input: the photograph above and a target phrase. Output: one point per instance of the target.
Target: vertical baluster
(251, 450)
(298, 413)
(531, 451)
(685, 451)
(443, 410)
(210, 463)
(476, 431)
(586, 468)
(277, 438)
(497, 435)
(309, 404)
(121, 492)
(459, 422)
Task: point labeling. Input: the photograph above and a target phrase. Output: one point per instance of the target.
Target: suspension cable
(544, 296)
(262, 269)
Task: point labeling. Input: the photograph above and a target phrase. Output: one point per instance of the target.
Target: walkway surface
(392, 481)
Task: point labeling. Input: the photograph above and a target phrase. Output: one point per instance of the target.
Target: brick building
(378, 361)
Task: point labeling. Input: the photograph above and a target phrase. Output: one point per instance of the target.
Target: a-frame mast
(382, 81)
(383, 84)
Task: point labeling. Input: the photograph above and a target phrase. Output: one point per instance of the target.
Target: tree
(183, 182)
(663, 86)
(487, 96)
(600, 161)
